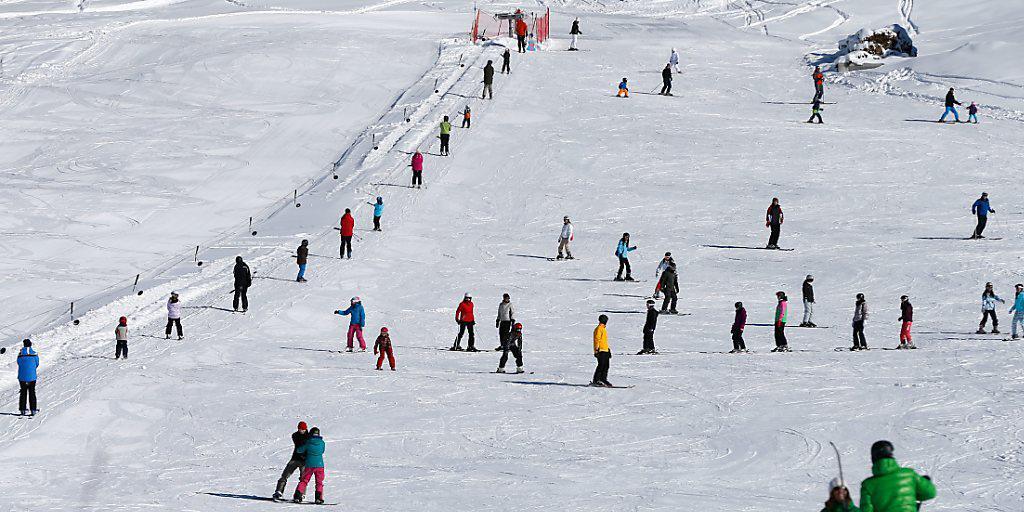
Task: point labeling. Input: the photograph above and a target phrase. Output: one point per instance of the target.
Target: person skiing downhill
(981, 208)
(243, 280)
(988, 308)
(28, 366)
(503, 322)
(464, 317)
(378, 210)
(673, 60)
(467, 117)
(892, 488)
(417, 169)
(739, 322)
(565, 237)
(295, 462)
(575, 32)
(488, 81)
(807, 291)
(819, 84)
(383, 347)
(907, 321)
(816, 112)
(521, 30)
(650, 324)
(506, 57)
(781, 344)
(669, 284)
(666, 81)
(839, 499)
(950, 102)
(972, 112)
(662, 265)
(121, 338)
(622, 252)
(514, 344)
(445, 136)
(173, 316)
(356, 323)
(313, 452)
(1018, 311)
(773, 219)
(348, 227)
(860, 315)
(623, 89)
(301, 259)
(602, 352)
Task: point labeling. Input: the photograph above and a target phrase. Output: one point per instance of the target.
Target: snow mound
(867, 48)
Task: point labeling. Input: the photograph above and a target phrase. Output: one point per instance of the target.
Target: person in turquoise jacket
(892, 488)
(358, 320)
(622, 252)
(1018, 311)
(378, 210)
(313, 450)
(28, 363)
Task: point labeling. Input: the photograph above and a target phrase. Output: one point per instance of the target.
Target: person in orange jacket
(348, 224)
(819, 83)
(521, 30)
(464, 317)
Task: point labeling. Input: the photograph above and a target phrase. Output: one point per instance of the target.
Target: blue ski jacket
(623, 250)
(1018, 304)
(28, 361)
(357, 312)
(981, 207)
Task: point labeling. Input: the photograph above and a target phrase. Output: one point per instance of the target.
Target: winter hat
(302, 425)
(739, 304)
(27, 342)
(810, 277)
(355, 299)
(384, 330)
(174, 294)
(518, 327)
(603, 319)
(881, 450)
(650, 302)
(123, 320)
(315, 431)
(860, 296)
(238, 259)
(835, 483)
(904, 297)
(380, 199)
(305, 242)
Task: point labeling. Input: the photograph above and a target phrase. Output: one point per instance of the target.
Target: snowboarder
(446, 133)
(669, 284)
(243, 280)
(981, 208)
(819, 83)
(173, 316)
(907, 321)
(972, 112)
(464, 317)
(383, 347)
(666, 81)
(781, 345)
(313, 451)
(575, 32)
(808, 296)
(950, 102)
(521, 30)
(296, 461)
(773, 219)
(503, 322)
(378, 210)
(1018, 311)
(417, 169)
(602, 352)
(347, 230)
(650, 324)
(301, 257)
(623, 89)
(839, 499)
(739, 322)
(488, 81)
(506, 57)
(356, 323)
(121, 338)
(892, 488)
(514, 344)
(673, 60)
(28, 365)
(988, 308)
(467, 117)
(565, 238)
(622, 252)
(816, 112)
(860, 315)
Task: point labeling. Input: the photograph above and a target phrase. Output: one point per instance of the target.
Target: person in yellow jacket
(602, 353)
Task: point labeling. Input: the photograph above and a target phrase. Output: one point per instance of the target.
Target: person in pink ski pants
(355, 326)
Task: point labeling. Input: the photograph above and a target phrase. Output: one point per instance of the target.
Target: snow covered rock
(867, 48)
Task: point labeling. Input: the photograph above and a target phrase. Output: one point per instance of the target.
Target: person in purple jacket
(738, 324)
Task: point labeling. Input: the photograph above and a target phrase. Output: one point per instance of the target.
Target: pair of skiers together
(308, 454)
(950, 108)
(890, 488)
(510, 332)
(381, 346)
(819, 95)
(860, 315)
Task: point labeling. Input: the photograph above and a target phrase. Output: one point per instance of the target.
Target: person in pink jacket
(417, 170)
(781, 315)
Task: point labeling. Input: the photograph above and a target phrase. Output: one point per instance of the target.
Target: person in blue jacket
(622, 252)
(28, 363)
(355, 326)
(981, 208)
(1018, 310)
(378, 210)
(313, 451)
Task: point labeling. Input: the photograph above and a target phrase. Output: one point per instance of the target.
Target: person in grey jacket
(504, 321)
(860, 314)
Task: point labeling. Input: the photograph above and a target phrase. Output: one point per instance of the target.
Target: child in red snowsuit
(383, 345)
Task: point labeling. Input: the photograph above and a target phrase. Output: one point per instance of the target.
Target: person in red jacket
(521, 29)
(348, 224)
(383, 347)
(819, 84)
(464, 317)
(417, 169)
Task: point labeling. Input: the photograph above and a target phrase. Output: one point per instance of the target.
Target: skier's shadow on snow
(310, 349)
(218, 308)
(620, 312)
(920, 121)
(272, 278)
(713, 246)
(9, 414)
(392, 185)
(537, 383)
(528, 256)
(252, 497)
(940, 238)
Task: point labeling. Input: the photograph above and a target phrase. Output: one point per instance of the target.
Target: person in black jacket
(950, 101)
(301, 257)
(297, 460)
(773, 220)
(505, 58)
(575, 32)
(243, 280)
(649, 326)
(669, 285)
(907, 319)
(666, 81)
(488, 80)
(808, 294)
(738, 323)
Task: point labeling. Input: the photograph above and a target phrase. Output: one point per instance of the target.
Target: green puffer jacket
(894, 489)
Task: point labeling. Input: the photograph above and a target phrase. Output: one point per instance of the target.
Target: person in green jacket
(313, 451)
(892, 488)
(446, 134)
(839, 499)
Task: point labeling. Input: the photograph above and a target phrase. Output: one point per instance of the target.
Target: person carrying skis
(1018, 311)
(575, 32)
(907, 321)
(808, 296)
(121, 338)
(892, 488)
(739, 322)
(313, 451)
(816, 112)
(673, 60)
(662, 265)
(467, 117)
(622, 252)
(295, 462)
(464, 317)
(981, 208)
(347, 229)
(301, 258)
(669, 284)
(950, 102)
(602, 352)
(565, 238)
(623, 89)
(446, 134)
(173, 316)
(650, 324)
(860, 314)
(819, 84)
(972, 112)
(383, 347)
(506, 57)
(839, 499)
(378, 210)
(503, 322)
(488, 81)
(243, 280)
(28, 366)
(356, 322)
(521, 30)
(781, 312)
(666, 81)
(417, 169)
(773, 219)
(514, 345)
(988, 308)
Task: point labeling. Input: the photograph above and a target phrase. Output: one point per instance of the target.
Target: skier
(816, 112)
(907, 319)
(982, 208)
(243, 280)
(488, 80)
(950, 102)
(564, 238)
(892, 488)
(313, 451)
(356, 323)
(622, 252)
(383, 347)
(28, 365)
(773, 219)
(378, 210)
(505, 58)
(1018, 311)
(738, 323)
(781, 345)
(669, 283)
(819, 83)
(173, 316)
(417, 169)
(121, 338)
(521, 29)
(860, 314)
(301, 257)
(662, 265)
(988, 308)
(513, 344)
(296, 461)
(464, 317)
(649, 326)
(602, 352)
(808, 296)
(446, 133)
(575, 33)
(348, 227)
(666, 81)
(623, 89)
(673, 60)
(972, 112)
(467, 116)
(503, 322)
(839, 499)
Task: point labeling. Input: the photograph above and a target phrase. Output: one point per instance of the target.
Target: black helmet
(315, 431)
(603, 319)
(739, 304)
(881, 450)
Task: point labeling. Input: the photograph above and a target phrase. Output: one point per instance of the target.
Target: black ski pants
(121, 350)
(773, 239)
(671, 298)
(463, 327)
(819, 91)
(984, 318)
(624, 265)
(176, 322)
(27, 393)
(467, 122)
(444, 143)
(346, 246)
(737, 340)
(521, 40)
(982, 221)
(517, 353)
(858, 334)
(291, 467)
(504, 332)
(780, 335)
(649, 340)
(815, 116)
(376, 223)
(241, 295)
(603, 361)
(417, 178)
(505, 68)
(666, 88)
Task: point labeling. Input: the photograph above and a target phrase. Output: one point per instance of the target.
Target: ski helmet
(384, 330)
(468, 296)
(380, 199)
(650, 302)
(739, 304)
(904, 297)
(315, 431)
(860, 296)
(26, 342)
(881, 450)
(603, 319)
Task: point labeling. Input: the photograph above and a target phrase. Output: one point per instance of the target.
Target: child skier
(514, 344)
(313, 451)
(988, 308)
(781, 344)
(773, 219)
(819, 83)
(972, 112)
(860, 314)
(650, 324)
(602, 352)
(383, 347)
(466, 114)
(623, 89)
(1017, 310)
(816, 112)
(356, 323)
(673, 60)
(417, 169)
(173, 316)
(378, 210)
(121, 338)
(907, 321)
(28, 368)
(738, 323)
(839, 499)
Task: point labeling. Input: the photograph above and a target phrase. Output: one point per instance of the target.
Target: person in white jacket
(564, 238)
(673, 60)
(173, 316)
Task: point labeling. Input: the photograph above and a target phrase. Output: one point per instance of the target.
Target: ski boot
(559, 257)
(811, 324)
(734, 351)
(276, 496)
(980, 331)
(995, 331)
(901, 346)
(785, 348)
(500, 370)
(297, 498)
(911, 346)
(350, 349)
(777, 349)
(519, 369)
(618, 278)
(642, 352)
(629, 278)
(673, 312)
(456, 348)
(498, 349)
(472, 349)
(180, 338)
(319, 500)
(1014, 337)
(167, 337)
